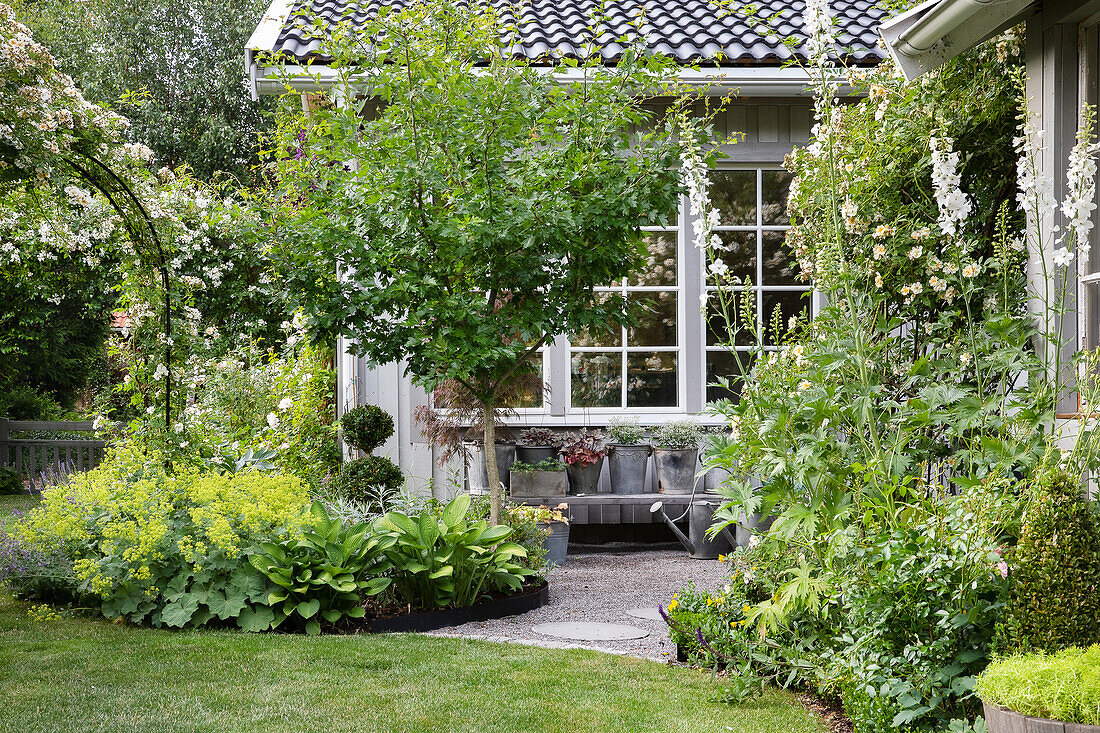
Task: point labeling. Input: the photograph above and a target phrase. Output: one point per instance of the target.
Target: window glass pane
(739, 254)
(719, 326)
(651, 380)
(609, 334)
(596, 379)
(532, 387)
(787, 305)
(733, 194)
(725, 365)
(660, 266)
(780, 266)
(774, 186)
(656, 320)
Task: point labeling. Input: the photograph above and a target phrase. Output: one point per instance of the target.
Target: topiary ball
(10, 481)
(366, 427)
(369, 480)
(1055, 573)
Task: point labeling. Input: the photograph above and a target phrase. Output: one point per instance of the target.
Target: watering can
(700, 514)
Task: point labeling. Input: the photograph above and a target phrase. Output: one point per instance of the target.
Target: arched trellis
(143, 233)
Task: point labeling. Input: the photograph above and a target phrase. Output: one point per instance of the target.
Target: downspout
(250, 74)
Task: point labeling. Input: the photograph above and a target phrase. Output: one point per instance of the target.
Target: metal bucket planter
(627, 464)
(479, 474)
(535, 453)
(756, 524)
(1000, 720)
(584, 479)
(676, 469)
(557, 544)
(537, 484)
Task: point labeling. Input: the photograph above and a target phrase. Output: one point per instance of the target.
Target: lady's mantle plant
(485, 203)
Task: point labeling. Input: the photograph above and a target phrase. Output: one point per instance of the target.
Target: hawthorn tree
(468, 201)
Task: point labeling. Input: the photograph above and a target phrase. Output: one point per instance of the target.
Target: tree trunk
(489, 450)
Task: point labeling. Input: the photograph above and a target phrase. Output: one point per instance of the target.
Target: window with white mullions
(639, 366)
(752, 214)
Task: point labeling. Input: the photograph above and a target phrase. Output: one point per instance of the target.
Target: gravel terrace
(599, 583)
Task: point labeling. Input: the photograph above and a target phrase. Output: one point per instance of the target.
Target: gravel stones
(601, 584)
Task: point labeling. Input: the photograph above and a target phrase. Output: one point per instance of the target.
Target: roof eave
(743, 81)
(264, 38)
(933, 33)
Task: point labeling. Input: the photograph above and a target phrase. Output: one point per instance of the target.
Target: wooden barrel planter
(999, 720)
(529, 600)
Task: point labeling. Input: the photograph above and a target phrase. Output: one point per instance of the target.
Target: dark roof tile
(688, 30)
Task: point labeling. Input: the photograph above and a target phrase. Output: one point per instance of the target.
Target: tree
(481, 202)
(174, 69)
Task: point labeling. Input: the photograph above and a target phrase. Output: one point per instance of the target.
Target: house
(662, 369)
(1063, 76)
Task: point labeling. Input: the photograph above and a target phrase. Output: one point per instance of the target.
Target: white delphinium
(818, 25)
(1080, 199)
(954, 205)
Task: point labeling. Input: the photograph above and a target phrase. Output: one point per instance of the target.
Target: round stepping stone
(649, 614)
(589, 631)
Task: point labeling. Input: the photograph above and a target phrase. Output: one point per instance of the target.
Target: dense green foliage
(1063, 686)
(449, 560)
(366, 427)
(370, 480)
(324, 573)
(10, 481)
(176, 70)
(1055, 600)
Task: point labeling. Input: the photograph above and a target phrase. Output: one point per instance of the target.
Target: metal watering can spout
(656, 508)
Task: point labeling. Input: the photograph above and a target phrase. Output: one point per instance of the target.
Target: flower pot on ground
(583, 454)
(628, 457)
(1039, 693)
(546, 478)
(555, 522)
(676, 455)
(479, 475)
(537, 444)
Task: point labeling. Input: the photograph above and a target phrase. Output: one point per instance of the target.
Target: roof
(690, 31)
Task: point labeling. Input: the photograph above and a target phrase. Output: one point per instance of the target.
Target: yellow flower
(721, 558)
(673, 604)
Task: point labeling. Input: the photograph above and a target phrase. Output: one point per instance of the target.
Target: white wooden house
(661, 369)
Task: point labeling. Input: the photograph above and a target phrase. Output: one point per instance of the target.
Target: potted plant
(545, 478)
(628, 457)
(583, 454)
(537, 444)
(676, 454)
(555, 522)
(1037, 693)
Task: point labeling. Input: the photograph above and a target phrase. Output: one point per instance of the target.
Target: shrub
(323, 573)
(1063, 686)
(625, 431)
(26, 403)
(448, 561)
(10, 481)
(167, 549)
(371, 480)
(1055, 599)
(366, 427)
(678, 434)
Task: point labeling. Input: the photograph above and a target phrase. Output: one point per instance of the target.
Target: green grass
(77, 674)
(19, 502)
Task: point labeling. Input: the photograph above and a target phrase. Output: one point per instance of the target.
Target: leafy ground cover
(73, 674)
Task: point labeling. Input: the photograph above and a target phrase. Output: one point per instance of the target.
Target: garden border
(496, 608)
(1010, 721)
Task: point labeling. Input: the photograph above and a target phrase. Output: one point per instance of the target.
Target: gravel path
(600, 584)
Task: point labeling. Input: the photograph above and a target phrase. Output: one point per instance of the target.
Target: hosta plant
(323, 574)
(449, 561)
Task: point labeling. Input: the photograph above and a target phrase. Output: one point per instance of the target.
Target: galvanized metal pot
(557, 544)
(676, 469)
(479, 475)
(535, 453)
(584, 479)
(539, 484)
(746, 528)
(627, 464)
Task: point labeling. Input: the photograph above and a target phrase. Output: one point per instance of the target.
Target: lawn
(85, 674)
